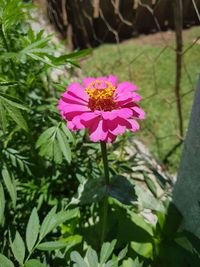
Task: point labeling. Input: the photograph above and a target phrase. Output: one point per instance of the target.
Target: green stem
(105, 202)
(105, 162)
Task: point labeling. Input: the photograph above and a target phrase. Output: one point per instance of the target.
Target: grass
(152, 68)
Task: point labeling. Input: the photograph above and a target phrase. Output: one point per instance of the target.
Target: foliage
(45, 167)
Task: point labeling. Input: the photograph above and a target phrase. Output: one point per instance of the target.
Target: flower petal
(78, 91)
(126, 87)
(134, 126)
(112, 79)
(110, 138)
(138, 113)
(97, 133)
(88, 80)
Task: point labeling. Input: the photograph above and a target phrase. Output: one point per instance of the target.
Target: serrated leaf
(51, 245)
(32, 229)
(106, 251)
(34, 263)
(2, 204)
(10, 185)
(5, 262)
(18, 248)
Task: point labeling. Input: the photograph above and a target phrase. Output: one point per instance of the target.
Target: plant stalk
(105, 201)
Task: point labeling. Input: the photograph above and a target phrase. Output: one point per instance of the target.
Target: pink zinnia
(102, 105)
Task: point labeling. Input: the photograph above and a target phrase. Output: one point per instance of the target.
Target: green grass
(152, 68)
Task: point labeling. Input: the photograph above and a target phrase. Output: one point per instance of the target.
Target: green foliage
(45, 168)
(54, 142)
(91, 258)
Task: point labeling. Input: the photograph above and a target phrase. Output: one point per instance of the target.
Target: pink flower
(104, 106)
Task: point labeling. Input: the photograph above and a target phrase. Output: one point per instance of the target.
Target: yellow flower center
(101, 95)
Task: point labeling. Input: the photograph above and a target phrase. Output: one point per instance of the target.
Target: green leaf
(54, 143)
(53, 220)
(44, 230)
(132, 263)
(2, 204)
(67, 132)
(143, 249)
(6, 83)
(12, 13)
(32, 229)
(3, 117)
(34, 263)
(18, 248)
(140, 222)
(147, 200)
(45, 136)
(106, 251)
(92, 190)
(5, 262)
(16, 115)
(12, 106)
(120, 184)
(76, 257)
(91, 257)
(51, 245)
(12, 101)
(72, 241)
(64, 146)
(172, 223)
(80, 53)
(151, 185)
(10, 185)
(122, 253)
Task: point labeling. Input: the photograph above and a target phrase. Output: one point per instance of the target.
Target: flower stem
(105, 162)
(105, 201)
